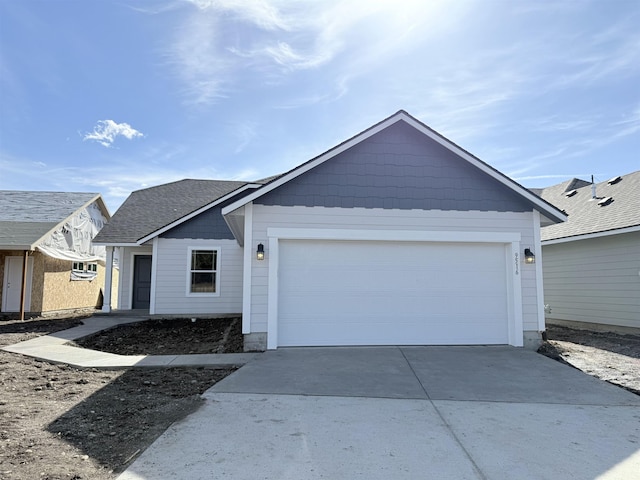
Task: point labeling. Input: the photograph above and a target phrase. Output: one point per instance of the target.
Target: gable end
(208, 225)
(397, 168)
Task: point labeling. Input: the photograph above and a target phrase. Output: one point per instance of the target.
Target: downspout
(23, 290)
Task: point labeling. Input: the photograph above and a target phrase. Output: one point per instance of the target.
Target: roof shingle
(27, 216)
(150, 209)
(587, 215)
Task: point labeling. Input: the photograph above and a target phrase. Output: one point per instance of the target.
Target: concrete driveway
(403, 413)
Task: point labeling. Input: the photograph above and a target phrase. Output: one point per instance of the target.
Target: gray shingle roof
(586, 215)
(148, 210)
(25, 216)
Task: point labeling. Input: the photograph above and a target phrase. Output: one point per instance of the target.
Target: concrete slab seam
(476, 467)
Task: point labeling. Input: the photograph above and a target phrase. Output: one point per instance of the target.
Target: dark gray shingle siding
(398, 168)
(208, 225)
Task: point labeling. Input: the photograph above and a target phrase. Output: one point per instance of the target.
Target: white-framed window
(203, 271)
(84, 270)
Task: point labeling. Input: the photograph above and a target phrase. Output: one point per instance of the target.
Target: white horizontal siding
(265, 217)
(594, 280)
(172, 264)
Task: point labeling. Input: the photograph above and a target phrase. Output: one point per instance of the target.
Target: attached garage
(396, 236)
(391, 293)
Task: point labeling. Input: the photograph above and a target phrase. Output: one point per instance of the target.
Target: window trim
(83, 270)
(216, 271)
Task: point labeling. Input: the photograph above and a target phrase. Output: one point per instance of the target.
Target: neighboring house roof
(27, 217)
(151, 210)
(547, 210)
(616, 208)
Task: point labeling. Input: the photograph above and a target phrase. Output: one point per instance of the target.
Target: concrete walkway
(53, 348)
(403, 413)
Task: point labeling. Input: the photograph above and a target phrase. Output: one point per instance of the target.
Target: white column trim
(247, 268)
(108, 280)
(154, 273)
(516, 325)
(272, 298)
(537, 250)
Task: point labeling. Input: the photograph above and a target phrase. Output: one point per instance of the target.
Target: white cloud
(106, 132)
(220, 44)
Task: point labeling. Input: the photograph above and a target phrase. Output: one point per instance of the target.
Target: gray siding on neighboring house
(594, 280)
(208, 225)
(398, 168)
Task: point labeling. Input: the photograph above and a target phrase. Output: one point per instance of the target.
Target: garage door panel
(380, 293)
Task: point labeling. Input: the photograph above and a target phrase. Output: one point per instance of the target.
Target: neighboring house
(396, 236)
(50, 233)
(592, 261)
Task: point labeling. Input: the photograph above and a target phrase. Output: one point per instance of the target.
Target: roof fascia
(542, 205)
(115, 244)
(586, 236)
(17, 247)
(202, 209)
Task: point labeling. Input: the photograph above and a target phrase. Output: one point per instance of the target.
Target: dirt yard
(608, 356)
(58, 422)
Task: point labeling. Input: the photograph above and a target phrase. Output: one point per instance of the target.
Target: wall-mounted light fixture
(529, 257)
(260, 252)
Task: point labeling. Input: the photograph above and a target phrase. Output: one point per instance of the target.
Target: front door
(141, 281)
(12, 285)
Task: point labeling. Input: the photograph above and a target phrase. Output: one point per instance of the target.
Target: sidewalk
(53, 348)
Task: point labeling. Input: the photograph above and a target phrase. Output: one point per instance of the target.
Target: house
(396, 236)
(50, 234)
(591, 262)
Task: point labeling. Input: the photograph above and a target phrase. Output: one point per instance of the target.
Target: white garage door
(391, 293)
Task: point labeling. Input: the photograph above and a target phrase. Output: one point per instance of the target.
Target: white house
(396, 236)
(592, 261)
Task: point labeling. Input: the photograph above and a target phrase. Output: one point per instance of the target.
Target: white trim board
(393, 235)
(587, 236)
(247, 253)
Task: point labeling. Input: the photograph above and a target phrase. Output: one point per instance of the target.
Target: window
(84, 271)
(203, 272)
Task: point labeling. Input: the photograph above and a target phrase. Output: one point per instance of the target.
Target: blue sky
(114, 96)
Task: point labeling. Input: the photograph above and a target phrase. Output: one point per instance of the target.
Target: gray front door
(141, 281)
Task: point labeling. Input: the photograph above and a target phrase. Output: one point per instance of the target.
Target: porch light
(260, 252)
(529, 257)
